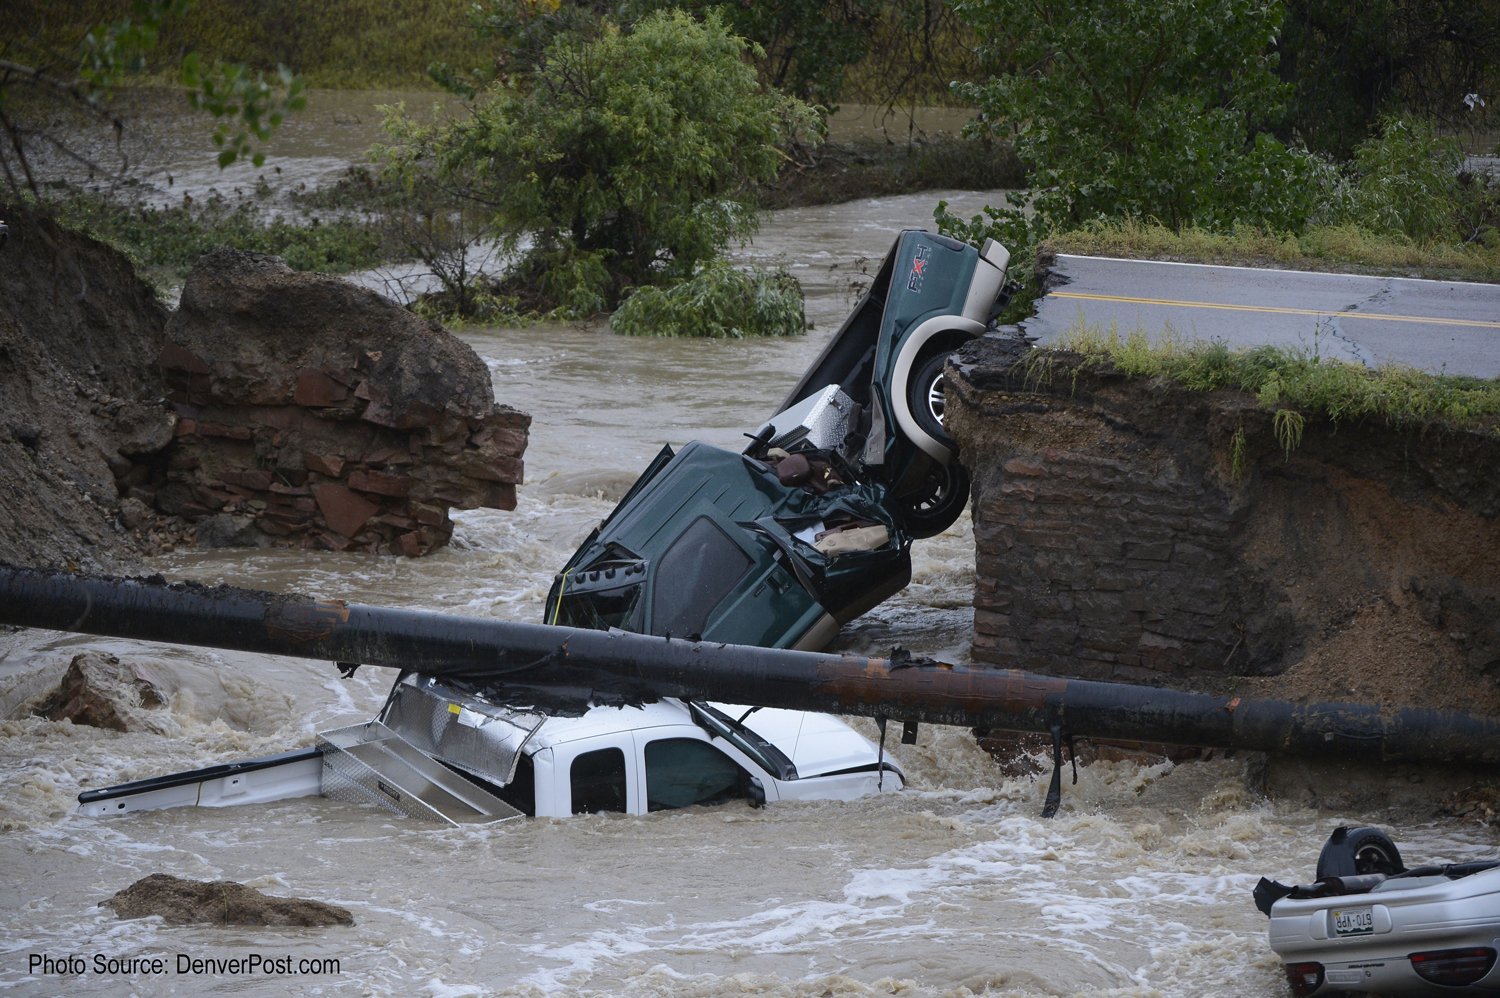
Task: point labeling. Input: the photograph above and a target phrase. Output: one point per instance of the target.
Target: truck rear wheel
(933, 509)
(925, 396)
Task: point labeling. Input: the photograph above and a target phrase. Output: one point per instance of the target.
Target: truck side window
(598, 780)
(681, 772)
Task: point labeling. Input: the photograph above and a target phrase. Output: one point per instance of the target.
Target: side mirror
(756, 792)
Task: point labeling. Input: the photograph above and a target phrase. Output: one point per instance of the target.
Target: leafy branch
(246, 105)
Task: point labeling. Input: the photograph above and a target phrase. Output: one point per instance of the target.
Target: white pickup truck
(441, 751)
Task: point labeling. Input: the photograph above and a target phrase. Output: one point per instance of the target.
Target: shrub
(1407, 181)
(719, 301)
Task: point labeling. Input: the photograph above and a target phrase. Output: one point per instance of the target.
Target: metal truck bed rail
(371, 764)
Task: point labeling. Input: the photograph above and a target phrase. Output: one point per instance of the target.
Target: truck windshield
(766, 755)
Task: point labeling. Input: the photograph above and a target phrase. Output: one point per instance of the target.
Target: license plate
(1353, 921)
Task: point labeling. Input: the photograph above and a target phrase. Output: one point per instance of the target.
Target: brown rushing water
(1141, 886)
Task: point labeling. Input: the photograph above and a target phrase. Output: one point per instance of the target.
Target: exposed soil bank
(79, 337)
(1119, 538)
(874, 167)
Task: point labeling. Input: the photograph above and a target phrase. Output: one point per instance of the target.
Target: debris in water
(220, 902)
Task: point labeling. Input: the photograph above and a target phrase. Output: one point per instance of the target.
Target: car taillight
(1453, 967)
(1305, 978)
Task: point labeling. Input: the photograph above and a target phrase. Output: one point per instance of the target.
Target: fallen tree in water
(567, 669)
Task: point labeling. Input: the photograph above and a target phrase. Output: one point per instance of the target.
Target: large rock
(302, 410)
(221, 902)
(325, 414)
(1130, 530)
(100, 691)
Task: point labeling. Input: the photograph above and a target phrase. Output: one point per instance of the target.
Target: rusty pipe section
(542, 662)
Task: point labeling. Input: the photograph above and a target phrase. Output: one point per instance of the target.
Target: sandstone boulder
(325, 414)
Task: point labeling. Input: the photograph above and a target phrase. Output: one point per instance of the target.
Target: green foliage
(245, 107)
(565, 281)
(801, 47)
(1288, 425)
(171, 239)
(428, 215)
(719, 301)
(628, 156)
(1150, 110)
(81, 70)
(1013, 225)
(516, 35)
(1238, 445)
(1407, 182)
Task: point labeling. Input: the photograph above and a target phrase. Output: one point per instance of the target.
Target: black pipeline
(569, 665)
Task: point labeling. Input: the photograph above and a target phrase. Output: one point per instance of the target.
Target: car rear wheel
(934, 508)
(1354, 851)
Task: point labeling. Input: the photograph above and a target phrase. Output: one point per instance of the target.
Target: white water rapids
(956, 886)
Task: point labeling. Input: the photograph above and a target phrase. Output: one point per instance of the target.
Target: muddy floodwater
(955, 886)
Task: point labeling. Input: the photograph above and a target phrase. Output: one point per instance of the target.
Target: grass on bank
(1294, 383)
(168, 240)
(1342, 247)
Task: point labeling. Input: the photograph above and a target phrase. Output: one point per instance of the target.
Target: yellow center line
(1279, 310)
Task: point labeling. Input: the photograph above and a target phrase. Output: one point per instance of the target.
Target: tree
(1352, 61)
(1155, 110)
(47, 66)
(625, 159)
(803, 47)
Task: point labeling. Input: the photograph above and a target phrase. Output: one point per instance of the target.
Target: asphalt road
(1439, 326)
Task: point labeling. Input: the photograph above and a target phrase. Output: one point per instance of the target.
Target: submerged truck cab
(635, 760)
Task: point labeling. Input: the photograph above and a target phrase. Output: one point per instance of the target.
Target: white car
(1369, 924)
(441, 751)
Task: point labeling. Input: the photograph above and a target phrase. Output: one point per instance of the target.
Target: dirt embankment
(79, 337)
(1130, 530)
(272, 408)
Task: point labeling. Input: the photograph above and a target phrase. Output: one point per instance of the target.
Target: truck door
(683, 771)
